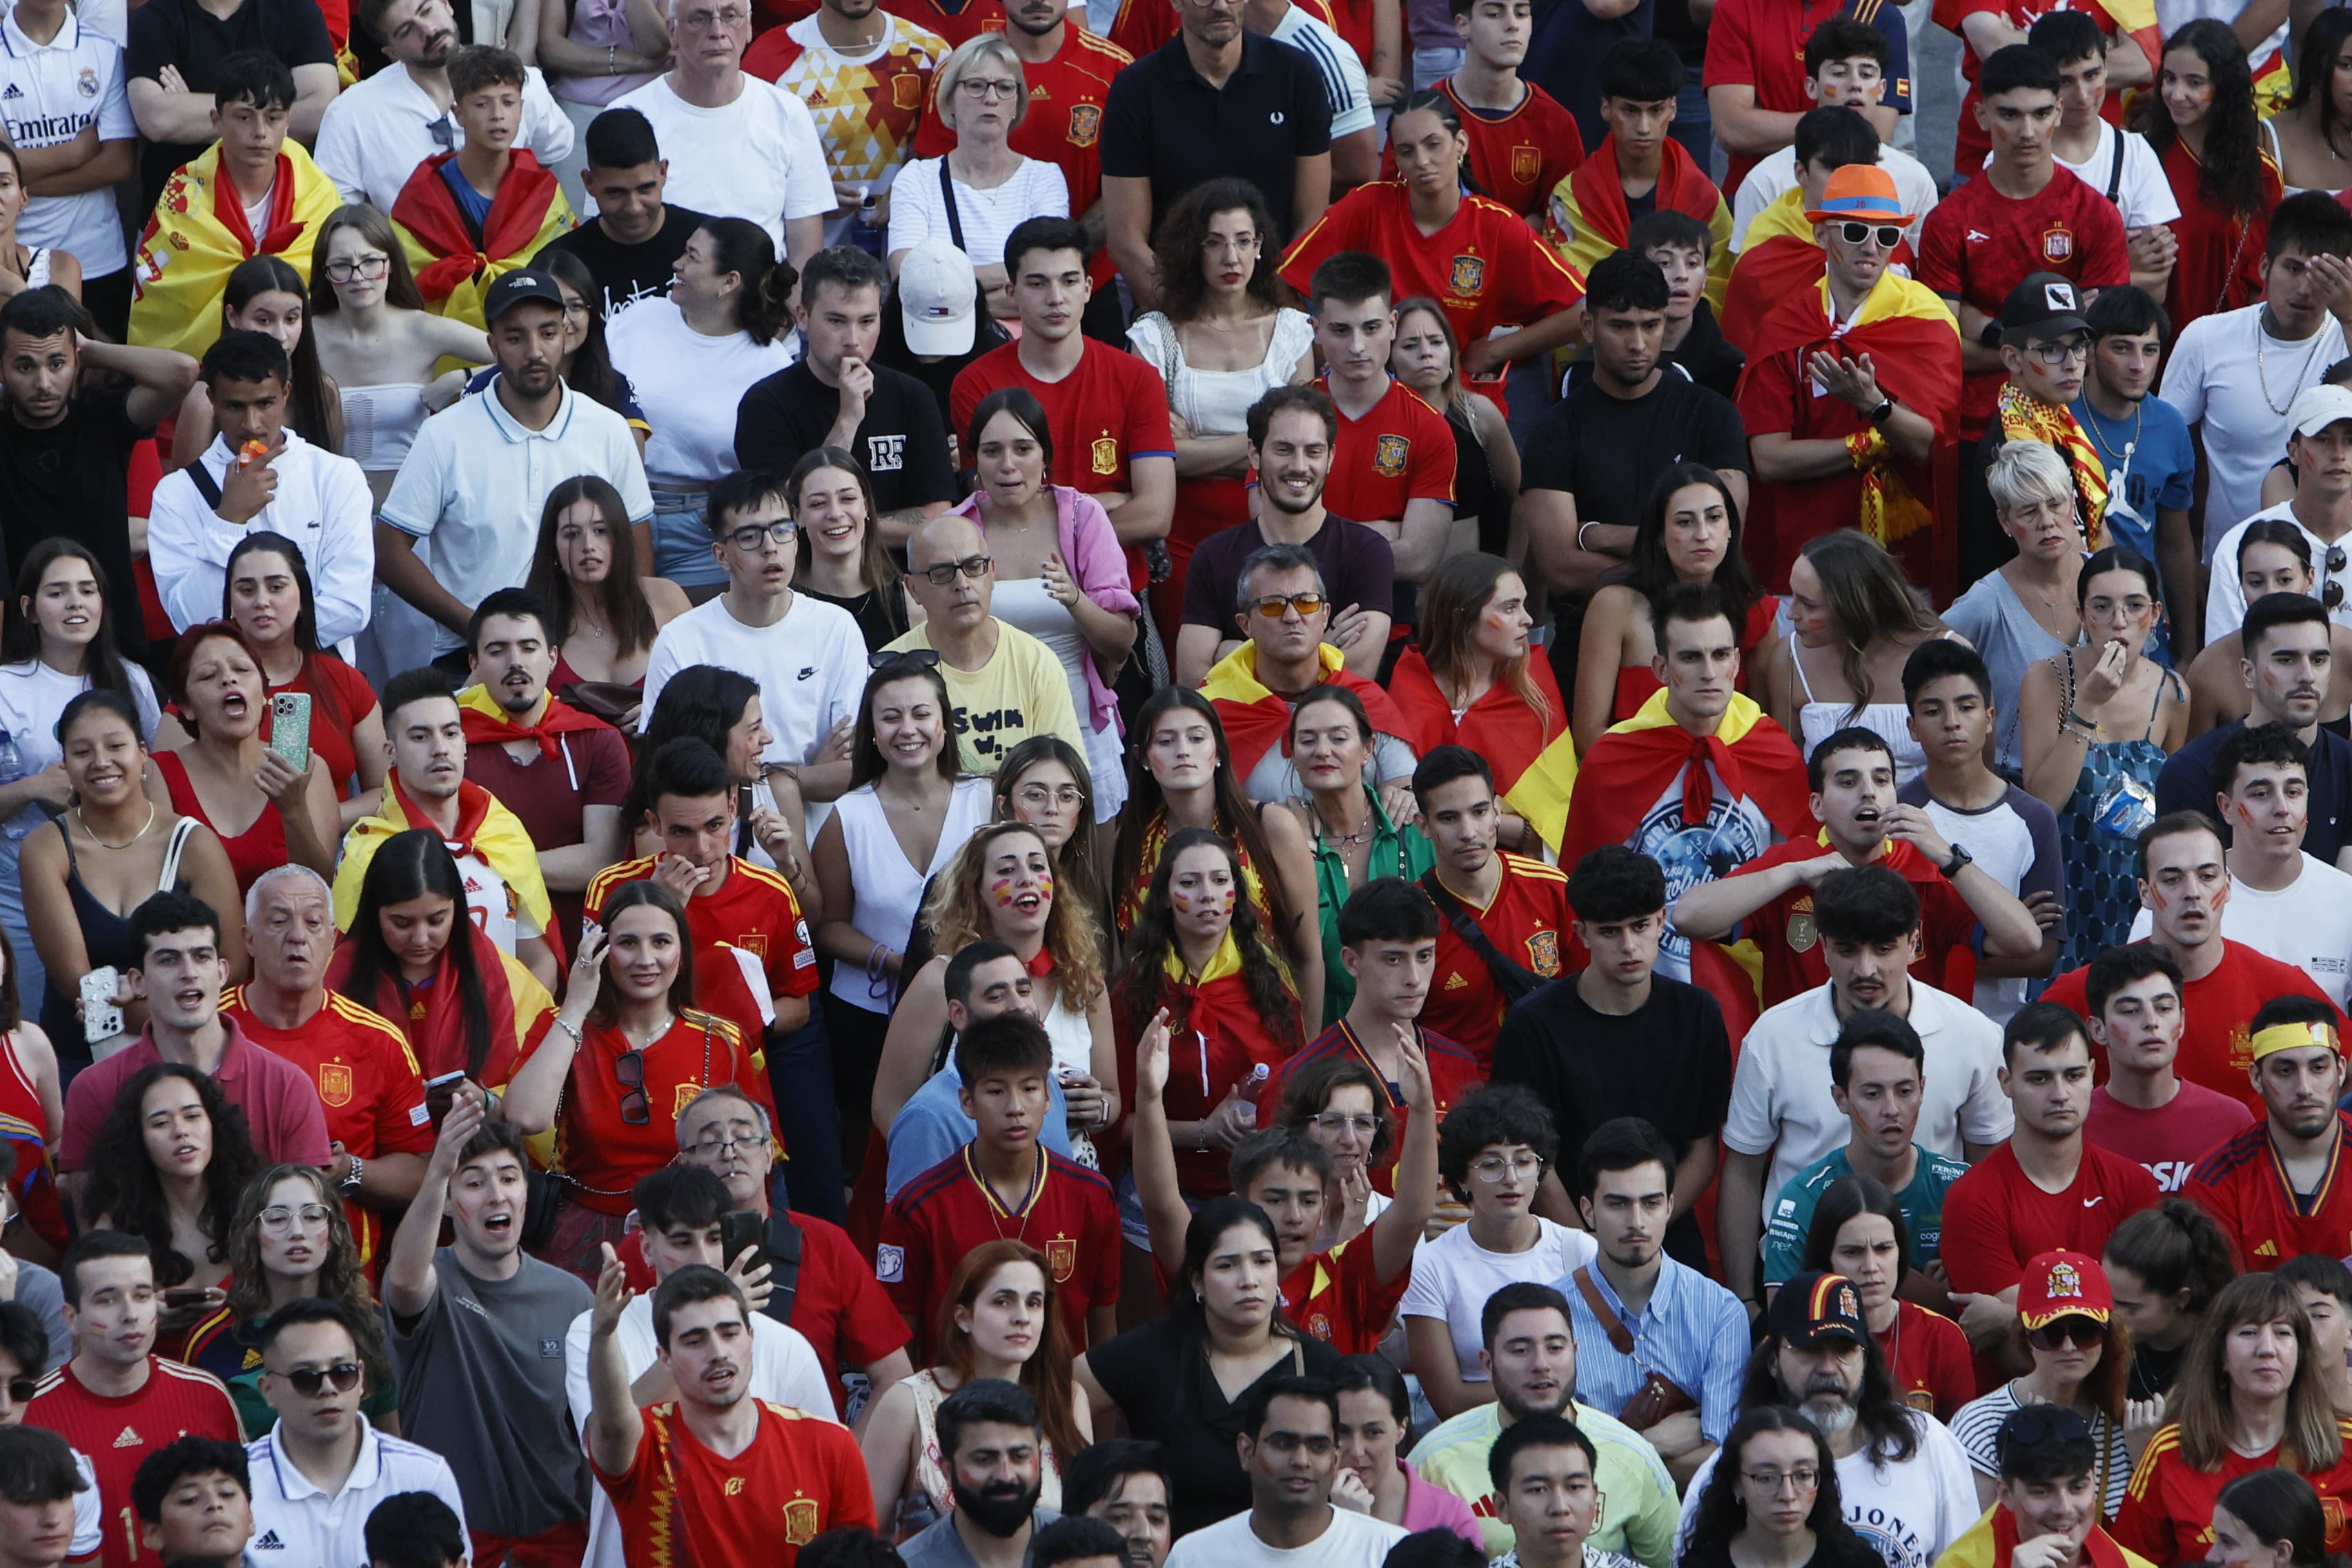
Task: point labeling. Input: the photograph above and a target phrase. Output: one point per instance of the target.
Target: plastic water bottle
(866, 232)
(12, 761)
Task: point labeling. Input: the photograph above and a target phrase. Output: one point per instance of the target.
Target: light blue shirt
(1694, 1333)
(932, 1126)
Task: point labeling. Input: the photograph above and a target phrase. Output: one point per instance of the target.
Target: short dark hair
(1940, 659)
(678, 1195)
(1362, 1374)
(2323, 1273)
(161, 913)
(1836, 135)
(1640, 70)
(1613, 883)
(849, 1546)
(297, 1313)
(415, 1530)
(24, 1336)
(1042, 233)
(1622, 1143)
(620, 139)
(2174, 824)
(1852, 738)
(2292, 1008)
(1865, 903)
(1009, 1043)
(1353, 275)
(1626, 281)
(1303, 399)
(1687, 602)
(957, 979)
(37, 313)
(739, 491)
(1387, 908)
(1446, 765)
(1543, 1430)
(2066, 36)
(1668, 227)
(1088, 1475)
(2253, 746)
(1270, 1148)
(983, 1399)
(1519, 1296)
(36, 1465)
(1841, 37)
(473, 67)
(1880, 1030)
(2056, 1454)
(175, 1461)
(847, 268)
(253, 77)
(1075, 1538)
(419, 685)
(2042, 1026)
(2273, 610)
(2125, 310)
(687, 768)
(1489, 1114)
(239, 356)
(690, 1285)
(2312, 222)
(2129, 964)
(1261, 1396)
(1435, 1547)
(513, 604)
(496, 1137)
(2023, 67)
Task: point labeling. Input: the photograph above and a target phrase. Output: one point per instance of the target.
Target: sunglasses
(22, 1389)
(972, 566)
(2085, 1332)
(630, 1069)
(1271, 605)
(343, 1376)
(1889, 235)
(920, 658)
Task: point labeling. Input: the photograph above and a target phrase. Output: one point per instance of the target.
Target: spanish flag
(454, 266)
(1533, 756)
(197, 234)
(431, 1014)
(1587, 218)
(1633, 765)
(486, 830)
(1256, 720)
(1991, 1542)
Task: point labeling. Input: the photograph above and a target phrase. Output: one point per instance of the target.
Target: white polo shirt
(810, 667)
(49, 93)
(475, 481)
(757, 157)
(374, 133)
(1781, 1092)
(322, 504)
(296, 1525)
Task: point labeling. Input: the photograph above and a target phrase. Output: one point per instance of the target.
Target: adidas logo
(14, 93)
(1455, 981)
(269, 1543)
(130, 1438)
(2267, 1249)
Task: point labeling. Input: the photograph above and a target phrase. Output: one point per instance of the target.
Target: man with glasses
(26, 1347)
(2045, 353)
(1290, 1453)
(2319, 448)
(2047, 1508)
(323, 1469)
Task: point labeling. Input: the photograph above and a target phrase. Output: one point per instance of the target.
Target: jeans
(1431, 66)
(682, 540)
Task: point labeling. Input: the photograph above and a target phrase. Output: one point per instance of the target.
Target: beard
(1000, 1508)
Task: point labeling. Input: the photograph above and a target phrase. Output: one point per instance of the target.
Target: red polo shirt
(281, 1104)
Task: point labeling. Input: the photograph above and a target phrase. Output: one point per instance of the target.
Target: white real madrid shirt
(298, 1526)
(49, 93)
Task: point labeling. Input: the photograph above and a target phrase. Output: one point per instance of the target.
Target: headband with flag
(2294, 1037)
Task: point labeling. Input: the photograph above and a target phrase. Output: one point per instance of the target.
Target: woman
(266, 594)
(720, 708)
(1181, 1381)
(22, 266)
(2313, 133)
(1061, 575)
(2165, 1265)
(1471, 679)
(627, 1049)
(976, 196)
(1854, 622)
(168, 1166)
(1000, 1318)
(2202, 122)
(1771, 1500)
(115, 848)
(1860, 1230)
(2097, 721)
(2270, 1519)
(1224, 335)
(692, 353)
(843, 559)
(1375, 1415)
(601, 613)
(1486, 459)
(226, 775)
(1689, 533)
(1340, 1106)
(1198, 953)
(2249, 1398)
(594, 51)
(2022, 614)
(32, 1117)
(265, 294)
(2082, 1362)
(2274, 557)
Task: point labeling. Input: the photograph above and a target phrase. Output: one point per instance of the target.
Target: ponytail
(763, 309)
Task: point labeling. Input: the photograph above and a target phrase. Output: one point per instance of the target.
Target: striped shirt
(1693, 1333)
(1335, 62)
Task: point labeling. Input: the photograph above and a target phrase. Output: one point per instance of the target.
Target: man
(249, 193)
(1542, 1469)
(1066, 1210)
(116, 1400)
(1530, 1353)
(1522, 142)
(2045, 352)
(1987, 27)
(42, 1494)
(983, 980)
(367, 1077)
(1690, 1329)
(1777, 253)
(1759, 80)
(1868, 919)
(324, 1467)
(2146, 1112)
(2047, 1508)
(1847, 66)
(70, 123)
(2319, 445)
(1618, 1039)
(2142, 442)
(1769, 899)
(2268, 1185)
(1074, 1543)
(1697, 819)
(181, 54)
(374, 134)
(1289, 1450)
(2324, 1286)
(30, 1340)
(1123, 1482)
(632, 246)
(194, 1501)
(1355, 140)
(2117, 163)
(1817, 1356)
(1007, 686)
(258, 477)
(1850, 386)
(740, 1478)
(738, 146)
(461, 487)
(476, 1335)
(1293, 433)
(1693, 341)
(177, 967)
(415, 1530)
(2296, 331)
(1638, 168)
(990, 1445)
(506, 893)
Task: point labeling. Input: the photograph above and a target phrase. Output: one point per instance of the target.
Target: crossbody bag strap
(1621, 1339)
(947, 192)
(783, 1265)
(206, 486)
(1512, 979)
(2116, 168)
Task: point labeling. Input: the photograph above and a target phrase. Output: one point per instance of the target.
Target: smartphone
(289, 728)
(180, 1295)
(444, 1081)
(100, 1018)
(739, 1228)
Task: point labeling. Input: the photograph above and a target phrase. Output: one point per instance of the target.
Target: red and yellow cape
(1587, 219)
(197, 234)
(1533, 756)
(452, 271)
(1256, 719)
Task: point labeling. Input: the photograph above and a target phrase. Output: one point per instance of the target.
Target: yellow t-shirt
(1022, 690)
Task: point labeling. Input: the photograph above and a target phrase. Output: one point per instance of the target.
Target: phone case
(289, 728)
(101, 1017)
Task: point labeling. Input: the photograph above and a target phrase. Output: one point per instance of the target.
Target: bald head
(944, 538)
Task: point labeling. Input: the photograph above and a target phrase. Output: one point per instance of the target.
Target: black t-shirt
(1669, 1062)
(902, 440)
(1162, 121)
(1359, 568)
(182, 34)
(2186, 783)
(873, 611)
(627, 273)
(2153, 1370)
(71, 480)
(1709, 357)
(1608, 451)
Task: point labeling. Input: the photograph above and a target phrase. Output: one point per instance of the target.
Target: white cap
(936, 293)
(2317, 407)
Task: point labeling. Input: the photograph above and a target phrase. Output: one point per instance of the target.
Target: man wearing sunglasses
(25, 1350)
(2046, 1510)
(323, 1469)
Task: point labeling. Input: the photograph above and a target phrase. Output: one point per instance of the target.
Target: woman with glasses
(2096, 722)
(266, 595)
(2022, 614)
(1863, 1231)
(265, 294)
(843, 559)
(602, 614)
(2274, 557)
(1771, 1500)
(2206, 130)
(1339, 1105)
(1045, 783)
(1854, 621)
(2082, 1363)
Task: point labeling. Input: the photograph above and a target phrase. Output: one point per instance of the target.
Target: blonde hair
(2024, 471)
(955, 916)
(2201, 1405)
(967, 56)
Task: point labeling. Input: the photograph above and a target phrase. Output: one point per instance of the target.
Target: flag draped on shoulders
(1632, 765)
(454, 266)
(1991, 1542)
(198, 234)
(1533, 756)
(487, 724)
(1587, 218)
(1779, 258)
(1256, 719)
(431, 1014)
(486, 830)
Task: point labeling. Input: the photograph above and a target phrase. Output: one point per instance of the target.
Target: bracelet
(351, 1183)
(1580, 531)
(579, 1041)
(612, 58)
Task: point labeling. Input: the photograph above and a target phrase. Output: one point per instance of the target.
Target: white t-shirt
(2239, 381)
(2307, 923)
(1453, 1276)
(810, 667)
(494, 904)
(1909, 1513)
(1335, 62)
(757, 157)
(1352, 1540)
(2225, 595)
(33, 697)
(1776, 176)
(2144, 196)
(48, 95)
(375, 132)
(2171, 15)
(1780, 1092)
(918, 212)
(694, 382)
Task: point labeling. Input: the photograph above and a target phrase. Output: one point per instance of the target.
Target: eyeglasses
(755, 536)
(918, 658)
(343, 1376)
(575, 309)
(1331, 1123)
(2054, 355)
(279, 1217)
(1242, 244)
(1889, 235)
(2084, 1332)
(974, 566)
(368, 266)
(630, 1069)
(1493, 1167)
(1037, 797)
(715, 1148)
(997, 87)
(1805, 1476)
(1272, 606)
(729, 17)
(1283, 1442)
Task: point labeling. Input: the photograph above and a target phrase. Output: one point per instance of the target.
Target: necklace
(2262, 368)
(91, 833)
(1343, 840)
(2112, 459)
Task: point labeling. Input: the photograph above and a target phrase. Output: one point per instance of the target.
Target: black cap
(1813, 1309)
(527, 283)
(2044, 306)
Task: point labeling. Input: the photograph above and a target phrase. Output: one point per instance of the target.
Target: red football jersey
(1783, 929)
(953, 22)
(1064, 123)
(1401, 450)
(1527, 920)
(1069, 1215)
(1517, 155)
(680, 1504)
(2167, 1512)
(1929, 1358)
(753, 908)
(2242, 1184)
(1761, 44)
(1339, 1298)
(1453, 1072)
(1109, 411)
(115, 1434)
(1995, 1218)
(1970, 145)
(2169, 1140)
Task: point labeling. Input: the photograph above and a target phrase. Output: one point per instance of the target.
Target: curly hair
(1721, 1514)
(343, 1277)
(1489, 1115)
(1046, 1375)
(2230, 173)
(1176, 247)
(956, 914)
(127, 1192)
(1143, 987)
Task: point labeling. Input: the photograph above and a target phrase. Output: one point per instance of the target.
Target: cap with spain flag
(2063, 1285)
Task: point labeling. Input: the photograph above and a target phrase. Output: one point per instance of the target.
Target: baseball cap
(936, 293)
(1814, 1310)
(2063, 1285)
(2044, 306)
(1859, 193)
(528, 283)
(2314, 408)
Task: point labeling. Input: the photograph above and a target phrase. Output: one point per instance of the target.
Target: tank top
(1818, 721)
(889, 887)
(380, 424)
(933, 1488)
(258, 848)
(105, 936)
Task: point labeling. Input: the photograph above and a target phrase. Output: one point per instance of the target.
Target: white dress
(1217, 402)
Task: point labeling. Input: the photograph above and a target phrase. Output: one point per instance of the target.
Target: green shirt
(1921, 1200)
(1396, 852)
(1639, 1512)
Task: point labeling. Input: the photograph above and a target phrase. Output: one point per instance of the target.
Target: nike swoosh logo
(2094, 1203)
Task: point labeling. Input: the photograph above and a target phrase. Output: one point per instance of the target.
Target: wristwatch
(349, 1184)
(1883, 412)
(1961, 858)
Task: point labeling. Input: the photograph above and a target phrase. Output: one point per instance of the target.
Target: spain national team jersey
(1760, 45)
(117, 1433)
(867, 106)
(2167, 1512)
(1109, 411)
(1401, 450)
(1453, 1072)
(682, 1506)
(753, 909)
(1527, 921)
(1783, 929)
(1517, 155)
(1339, 1298)
(951, 20)
(1068, 1215)
(1930, 1358)
(1064, 125)
(2242, 1184)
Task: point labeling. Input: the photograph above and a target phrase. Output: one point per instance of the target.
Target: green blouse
(1396, 852)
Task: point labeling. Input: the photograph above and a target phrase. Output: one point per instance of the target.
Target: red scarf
(1040, 966)
(1683, 186)
(474, 804)
(488, 724)
(229, 212)
(428, 209)
(433, 1014)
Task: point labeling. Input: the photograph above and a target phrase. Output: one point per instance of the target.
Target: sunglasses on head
(343, 1376)
(914, 657)
(1889, 235)
(2040, 1423)
(2084, 1332)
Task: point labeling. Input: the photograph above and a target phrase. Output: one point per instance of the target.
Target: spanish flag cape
(1534, 757)
(1256, 720)
(486, 830)
(1630, 768)
(1217, 1041)
(197, 234)
(1587, 218)
(454, 269)
(487, 724)
(1989, 1542)
(433, 1014)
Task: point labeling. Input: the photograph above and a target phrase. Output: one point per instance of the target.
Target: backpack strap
(1512, 979)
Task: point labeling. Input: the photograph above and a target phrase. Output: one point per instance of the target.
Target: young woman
(2024, 613)
(2165, 1265)
(603, 611)
(1061, 575)
(842, 559)
(1000, 1318)
(1859, 1230)
(2202, 122)
(2082, 1362)
(1772, 1500)
(2314, 131)
(1689, 533)
(2274, 557)
(1426, 357)
(115, 847)
(267, 812)
(627, 1048)
(22, 266)
(1375, 1416)
(1198, 953)
(720, 708)
(2097, 721)
(1855, 621)
(2270, 1519)
(1339, 1106)
(265, 294)
(266, 594)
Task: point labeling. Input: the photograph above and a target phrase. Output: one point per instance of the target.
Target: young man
(2047, 1509)
(324, 1467)
(1769, 898)
(632, 246)
(31, 1340)
(194, 1501)
(1542, 1469)
(983, 980)
(469, 217)
(2142, 441)
(835, 396)
(2269, 1185)
(1777, 252)
(1846, 67)
(415, 1530)
(316, 498)
(2117, 163)
(250, 194)
(43, 1491)
(70, 123)
(180, 53)
(1680, 245)
(1522, 142)
(1288, 1450)
(2045, 355)
(1638, 169)
(1758, 80)
(117, 1401)
(476, 1335)
(2324, 1286)
(2145, 1112)
(990, 1445)
(2318, 442)
(1066, 1210)
(1122, 1482)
